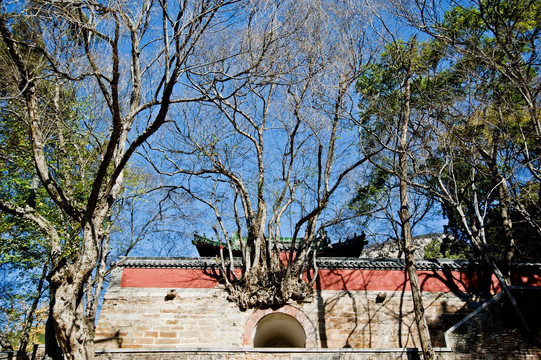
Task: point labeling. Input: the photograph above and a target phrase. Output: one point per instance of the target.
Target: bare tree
(276, 142)
(130, 58)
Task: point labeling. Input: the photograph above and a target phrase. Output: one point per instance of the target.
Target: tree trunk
(52, 349)
(74, 333)
(74, 329)
(25, 334)
(420, 319)
(503, 193)
(500, 182)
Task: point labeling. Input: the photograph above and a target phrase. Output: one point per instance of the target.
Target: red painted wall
(167, 278)
(341, 279)
(394, 280)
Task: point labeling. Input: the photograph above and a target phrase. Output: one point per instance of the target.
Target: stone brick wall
(368, 319)
(134, 318)
(350, 319)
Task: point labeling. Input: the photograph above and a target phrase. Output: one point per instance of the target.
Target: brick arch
(251, 324)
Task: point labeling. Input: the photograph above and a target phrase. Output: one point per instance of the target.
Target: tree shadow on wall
(114, 338)
(358, 333)
(473, 286)
(461, 283)
(327, 306)
(397, 305)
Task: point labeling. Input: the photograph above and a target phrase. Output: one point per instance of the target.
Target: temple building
(176, 308)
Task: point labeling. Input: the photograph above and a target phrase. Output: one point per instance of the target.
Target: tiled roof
(348, 247)
(323, 263)
(167, 262)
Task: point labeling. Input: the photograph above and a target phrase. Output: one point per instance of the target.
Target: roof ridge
(323, 263)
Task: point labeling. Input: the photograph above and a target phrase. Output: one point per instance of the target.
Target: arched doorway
(263, 327)
(279, 330)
